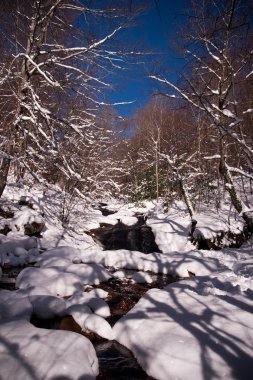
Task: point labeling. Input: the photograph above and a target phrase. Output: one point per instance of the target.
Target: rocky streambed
(116, 362)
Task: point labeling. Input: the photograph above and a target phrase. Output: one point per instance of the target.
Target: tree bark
(4, 171)
(230, 187)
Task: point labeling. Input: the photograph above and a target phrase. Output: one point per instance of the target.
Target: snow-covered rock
(14, 305)
(142, 277)
(63, 252)
(89, 274)
(14, 245)
(99, 325)
(79, 312)
(31, 353)
(25, 216)
(54, 279)
(89, 312)
(177, 332)
(98, 293)
(46, 306)
(15, 251)
(175, 263)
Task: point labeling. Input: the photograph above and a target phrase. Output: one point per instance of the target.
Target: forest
(94, 184)
(56, 121)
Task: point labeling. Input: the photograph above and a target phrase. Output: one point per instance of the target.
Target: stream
(116, 362)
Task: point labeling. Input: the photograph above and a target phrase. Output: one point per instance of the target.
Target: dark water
(117, 363)
(137, 237)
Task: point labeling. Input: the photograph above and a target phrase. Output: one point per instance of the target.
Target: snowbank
(198, 327)
(175, 263)
(177, 332)
(31, 353)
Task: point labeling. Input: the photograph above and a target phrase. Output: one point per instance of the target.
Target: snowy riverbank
(199, 325)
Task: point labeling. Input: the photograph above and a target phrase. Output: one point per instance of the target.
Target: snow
(139, 277)
(93, 301)
(228, 113)
(54, 279)
(142, 277)
(31, 353)
(174, 263)
(176, 332)
(249, 110)
(199, 325)
(99, 325)
(46, 307)
(14, 305)
(89, 312)
(18, 252)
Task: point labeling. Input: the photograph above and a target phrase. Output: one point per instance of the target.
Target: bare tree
(220, 64)
(57, 55)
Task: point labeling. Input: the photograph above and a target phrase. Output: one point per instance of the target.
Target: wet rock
(102, 207)
(106, 212)
(34, 228)
(6, 214)
(223, 239)
(137, 237)
(24, 202)
(148, 243)
(5, 230)
(116, 362)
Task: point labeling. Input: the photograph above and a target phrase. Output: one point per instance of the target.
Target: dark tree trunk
(4, 170)
(230, 187)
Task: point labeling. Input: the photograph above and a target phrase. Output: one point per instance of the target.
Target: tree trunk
(4, 170)
(230, 187)
(186, 197)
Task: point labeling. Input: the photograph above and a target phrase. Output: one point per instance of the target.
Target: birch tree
(217, 47)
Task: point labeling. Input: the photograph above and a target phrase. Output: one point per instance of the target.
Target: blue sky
(156, 28)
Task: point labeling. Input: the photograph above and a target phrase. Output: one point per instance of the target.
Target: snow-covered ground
(200, 326)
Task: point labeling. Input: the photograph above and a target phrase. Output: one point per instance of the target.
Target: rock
(5, 230)
(6, 214)
(34, 228)
(138, 237)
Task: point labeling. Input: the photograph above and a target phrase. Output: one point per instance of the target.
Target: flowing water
(116, 362)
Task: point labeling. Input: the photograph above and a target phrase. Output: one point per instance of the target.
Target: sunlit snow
(200, 325)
